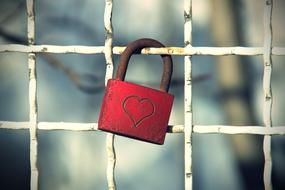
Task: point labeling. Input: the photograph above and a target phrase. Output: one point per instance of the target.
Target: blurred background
(226, 90)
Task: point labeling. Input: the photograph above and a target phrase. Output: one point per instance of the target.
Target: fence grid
(188, 127)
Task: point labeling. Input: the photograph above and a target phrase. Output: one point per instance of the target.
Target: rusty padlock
(136, 111)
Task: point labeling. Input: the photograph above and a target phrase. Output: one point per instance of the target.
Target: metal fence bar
(206, 129)
(267, 109)
(232, 130)
(111, 154)
(32, 97)
(188, 96)
(215, 51)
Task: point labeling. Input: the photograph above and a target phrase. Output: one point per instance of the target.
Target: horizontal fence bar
(70, 126)
(215, 51)
(51, 49)
(218, 129)
(254, 130)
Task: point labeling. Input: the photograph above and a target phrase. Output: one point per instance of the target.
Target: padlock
(137, 111)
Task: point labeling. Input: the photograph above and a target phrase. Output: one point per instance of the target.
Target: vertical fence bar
(111, 154)
(32, 96)
(188, 95)
(267, 110)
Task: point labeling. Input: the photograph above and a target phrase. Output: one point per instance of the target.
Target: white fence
(187, 128)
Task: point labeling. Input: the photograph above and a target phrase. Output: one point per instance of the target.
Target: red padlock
(136, 111)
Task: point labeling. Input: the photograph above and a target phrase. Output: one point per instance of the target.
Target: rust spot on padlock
(136, 111)
(136, 47)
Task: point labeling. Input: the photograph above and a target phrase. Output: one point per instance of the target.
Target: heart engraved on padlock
(136, 111)
(141, 111)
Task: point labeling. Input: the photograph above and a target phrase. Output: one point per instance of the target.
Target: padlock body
(135, 111)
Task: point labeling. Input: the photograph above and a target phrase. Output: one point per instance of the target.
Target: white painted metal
(111, 154)
(206, 129)
(267, 107)
(32, 96)
(215, 51)
(232, 130)
(188, 117)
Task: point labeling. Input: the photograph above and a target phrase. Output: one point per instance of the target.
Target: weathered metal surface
(136, 111)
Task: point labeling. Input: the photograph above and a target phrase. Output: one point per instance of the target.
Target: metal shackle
(136, 47)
